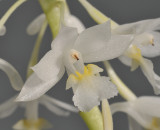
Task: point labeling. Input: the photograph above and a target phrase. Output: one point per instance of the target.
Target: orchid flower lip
(90, 86)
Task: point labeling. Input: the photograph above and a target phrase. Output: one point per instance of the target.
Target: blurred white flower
(132, 57)
(146, 43)
(71, 50)
(68, 20)
(143, 111)
(31, 121)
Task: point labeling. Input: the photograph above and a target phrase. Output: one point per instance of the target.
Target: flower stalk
(107, 115)
(93, 119)
(53, 10)
(10, 11)
(124, 91)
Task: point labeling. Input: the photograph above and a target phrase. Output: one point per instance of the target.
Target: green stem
(54, 13)
(35, 52)
(53, 10)
(93, 119)
(96, 15)
(124, 91)
(107, 115)
(10, 11)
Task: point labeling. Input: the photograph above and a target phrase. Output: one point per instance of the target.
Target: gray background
(16, 47)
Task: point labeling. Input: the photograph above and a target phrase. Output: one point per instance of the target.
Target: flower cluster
(76, 50)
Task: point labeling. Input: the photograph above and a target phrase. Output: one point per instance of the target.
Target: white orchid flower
(31, 121)
(146, 43)
(132, 57)
(71, 50)
(144, 112)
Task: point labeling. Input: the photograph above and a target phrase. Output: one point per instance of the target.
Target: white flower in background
(31, 121)
(71, 50)
(144, 112)
(132, 57)
(146, 43)
(68, 20)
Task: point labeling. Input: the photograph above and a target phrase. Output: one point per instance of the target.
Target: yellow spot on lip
(87, 72)
(135, 53)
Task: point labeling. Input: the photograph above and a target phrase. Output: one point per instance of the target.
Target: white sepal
(130, 109)
(34, 87)
(49, 66)
(93, 38)
(61, 104)
(149, 105)
(133, 125)
(73, 21)
(138, 27)
(117, 44)
(13, 75)
(153, 78)
(8, 107)
(35, 26)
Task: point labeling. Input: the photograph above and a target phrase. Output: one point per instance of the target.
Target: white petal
(8, 107)
(138, 27)
(58, 103)
(112, 49)
(149, 105)
(2, 30)
(94, 69)
(133, 125)
(35, 87)
(49, 66)
(56, 110)
(73, 21)
(147, 69)
(14, 77)
(93, 38)
(152, 50)
(35, 26)
(125, 60)
(65, 39)
(129, 109)
(91, 91)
